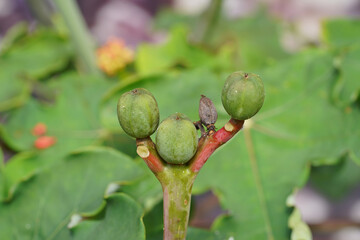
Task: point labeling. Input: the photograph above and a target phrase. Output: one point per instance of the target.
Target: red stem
(153, 161)
(212, 142)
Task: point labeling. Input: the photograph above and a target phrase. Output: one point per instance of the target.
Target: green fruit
(243, 95)
(176, 139)
(138, 113)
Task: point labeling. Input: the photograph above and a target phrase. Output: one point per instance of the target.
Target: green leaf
(255, 172)
(146, 190)
(123, 220)
(1, 158)
(166, 19)
(347, 87)
(255, 41)
(2, 177)
(300, 230)
(29, 57)
(336, 180)
(17, 89)
(342, 37)
(39, 53)
(77, 184)
(19, 168)
(73, 120)
(15, 33)
(177, 51)
(341, 32)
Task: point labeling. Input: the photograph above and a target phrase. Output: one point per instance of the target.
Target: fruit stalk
(177, 182)
(208, 145)
(147, 151)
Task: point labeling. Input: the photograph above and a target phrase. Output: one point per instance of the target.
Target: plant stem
(177, 182)
(213, 17)
(81, 38)
(41, 10)
(208, 145)
(149, 154)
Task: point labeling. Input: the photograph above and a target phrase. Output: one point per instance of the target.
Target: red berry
(44, 142)
(39, 129)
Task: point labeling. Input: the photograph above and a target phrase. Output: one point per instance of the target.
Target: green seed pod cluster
(138, 113)
(243, 95)
(176, 139)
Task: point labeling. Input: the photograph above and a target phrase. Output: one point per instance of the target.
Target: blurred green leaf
(73, 119)
(341, 32)
(300, 230)
(27, 59)
(347, 87)
(177, 51)
(17, 89)
(342, 38)
(336, 180)
(15, 33)
(123, 220)
(44, 205)
(166, 19)
(19, 168)
(255, 41)
(146, 190)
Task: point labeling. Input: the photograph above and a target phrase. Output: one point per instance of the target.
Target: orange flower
(114, 56)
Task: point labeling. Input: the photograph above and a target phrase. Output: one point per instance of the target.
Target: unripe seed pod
(207, 111)
(138, 113)
(243, 95)
(176, 139)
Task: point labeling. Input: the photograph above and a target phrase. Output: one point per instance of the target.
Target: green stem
(177, 182)
(212, 19)
(81, 38)
(41, 10)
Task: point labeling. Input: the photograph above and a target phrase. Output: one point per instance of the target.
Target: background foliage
(306, 129)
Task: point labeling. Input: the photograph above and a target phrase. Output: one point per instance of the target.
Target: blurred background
(330, 218)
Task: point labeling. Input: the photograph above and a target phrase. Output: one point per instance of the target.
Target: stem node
(143, 151)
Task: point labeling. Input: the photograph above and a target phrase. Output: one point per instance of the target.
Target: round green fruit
(138, 113)
(176, 139)
(243, 95)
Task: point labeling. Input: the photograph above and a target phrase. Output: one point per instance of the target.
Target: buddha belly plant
(178, 153)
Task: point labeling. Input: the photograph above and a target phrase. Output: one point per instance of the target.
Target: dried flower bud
(207, 111)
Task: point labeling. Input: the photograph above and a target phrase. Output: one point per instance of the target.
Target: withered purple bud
(207, 111)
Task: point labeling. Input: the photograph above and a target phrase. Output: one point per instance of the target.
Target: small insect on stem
(208, 114)
(198, 125)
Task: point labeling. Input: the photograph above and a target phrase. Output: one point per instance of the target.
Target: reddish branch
(210, 143)
(207, 145)
(153, 160)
